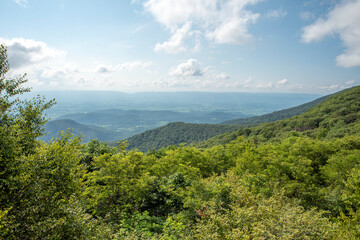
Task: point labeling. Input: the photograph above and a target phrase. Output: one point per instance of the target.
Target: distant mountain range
(337, 116)
(249, 104)
(278, 115)
(116, 124)
(110, 116)
(174, 134)
(117, 119)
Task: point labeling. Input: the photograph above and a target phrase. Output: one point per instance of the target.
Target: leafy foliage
(291, 185)
(39, 184)
(20, 124)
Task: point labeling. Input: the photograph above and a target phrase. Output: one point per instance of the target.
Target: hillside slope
(338, 116)
(278, 115)
(175, 133)
(89, 132)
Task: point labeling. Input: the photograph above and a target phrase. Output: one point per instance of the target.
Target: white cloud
(334, 87)
(130, 66)
(102, 69)
(351, 82)
(189, 68)
(220, 21)
(278, 13)
(127, 66)
(25, 52)
(48, 69)
(233, 30)
(283, 81)
(222, 76)
(190, 74)
(252, 84)
(176, 42)
(213, 81)
(52, 73)
(21, 3)
(343, 20)
(306, 16)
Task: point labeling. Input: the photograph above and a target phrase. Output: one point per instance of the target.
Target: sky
(294, 46)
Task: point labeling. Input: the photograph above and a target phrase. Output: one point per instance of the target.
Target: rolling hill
(115, 124)
(336, 117)
(171, 135)
(131, 114)
(175, 133)
(312, 119)
(87, 131)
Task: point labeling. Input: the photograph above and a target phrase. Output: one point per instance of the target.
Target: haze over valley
(111, 116)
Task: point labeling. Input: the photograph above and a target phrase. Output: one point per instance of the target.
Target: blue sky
(309, 46)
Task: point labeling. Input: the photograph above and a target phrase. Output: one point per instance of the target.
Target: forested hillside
(338, 116)
(175, 133)
(88, 131)
(301, 182)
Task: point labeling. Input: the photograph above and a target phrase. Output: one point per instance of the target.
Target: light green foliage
(293, 179)
(281, 190)
(40, 184)
(116, 184)
(257, 218)
(45, 199)
(93, 149)
(21, 121)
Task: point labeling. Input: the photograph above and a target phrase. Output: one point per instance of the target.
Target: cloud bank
(218, 21)
(189, 68)
(48, 68)
(24, 52)
(127, 66)
(343, 20)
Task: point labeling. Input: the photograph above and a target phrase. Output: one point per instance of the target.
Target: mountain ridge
(245, 129)
(336, 117)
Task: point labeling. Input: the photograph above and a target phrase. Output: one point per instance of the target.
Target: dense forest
(175, 134)
(293, 179)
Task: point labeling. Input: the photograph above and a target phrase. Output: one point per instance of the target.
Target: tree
(21, 123)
